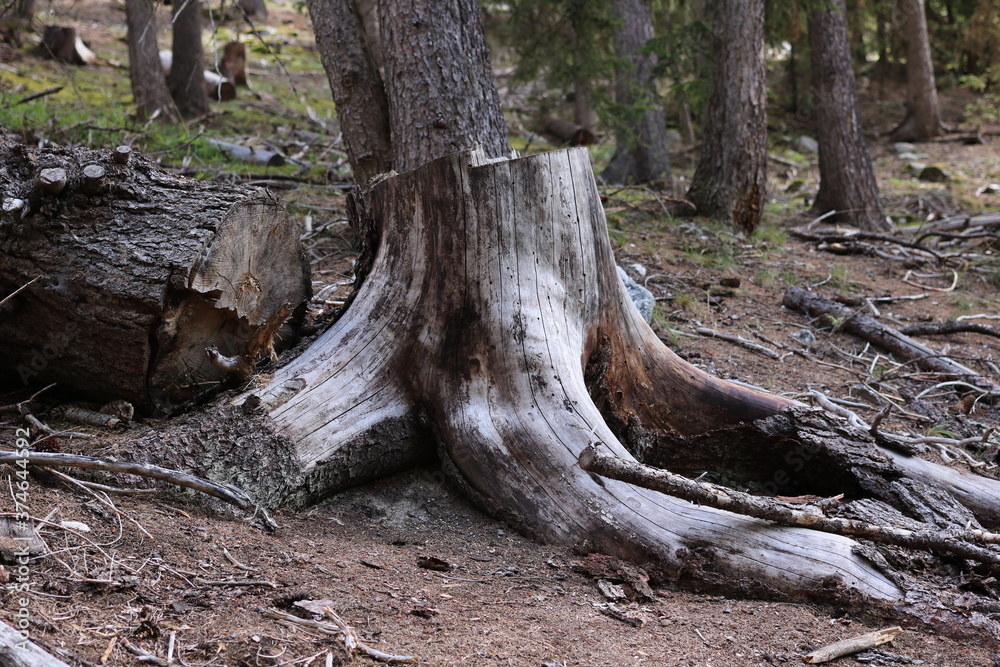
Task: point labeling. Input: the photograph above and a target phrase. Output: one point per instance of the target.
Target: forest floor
(174, 575)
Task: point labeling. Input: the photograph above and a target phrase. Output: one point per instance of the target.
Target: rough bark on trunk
(439, 80)
(149, 87)
(187, 79)
(641, 154)
(923, 115)
(138, 272)
(356, 84)
(731, 179)
(847, 180)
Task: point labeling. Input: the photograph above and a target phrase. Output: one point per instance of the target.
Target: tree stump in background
(137, 272)
(64, 44)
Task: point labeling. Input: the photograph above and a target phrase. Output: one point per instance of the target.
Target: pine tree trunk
(149, 87)
(921, 93)
(357, 88)
(187, 70)
(138, 272)
(439, 80)
(847, 179)
(641, 154)
(731, 179)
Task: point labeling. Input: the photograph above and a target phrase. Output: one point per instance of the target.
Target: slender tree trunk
(149, 87)
(583, 109)
(440, 84)
(356, 84)
(731, 179)
(369, 17)
(187, 69)
(924, 116)
(847, 180)
(641, 154)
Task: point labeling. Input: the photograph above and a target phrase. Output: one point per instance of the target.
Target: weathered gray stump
(136, 272)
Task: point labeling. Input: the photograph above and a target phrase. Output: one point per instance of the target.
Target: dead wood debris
(337, 627)
(852, 645)
(959, 543)
(737, 340)
(886, 337)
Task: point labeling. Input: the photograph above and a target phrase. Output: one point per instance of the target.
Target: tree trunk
(847, 180)
(731, 179)
(254, 9)
(187, 71)
(439, 80)
(149, 88)
(923, 115)
(356, 84)
(641, 154)
(138, 272)
(373, 31)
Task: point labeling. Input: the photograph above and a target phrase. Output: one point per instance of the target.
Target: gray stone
(903, 147)
(641, 297)
(673, 139)
(912, 157)
(806, 144)
(804, 336)
(637, 269)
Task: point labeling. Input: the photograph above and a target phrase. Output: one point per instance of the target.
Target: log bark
(140, 272)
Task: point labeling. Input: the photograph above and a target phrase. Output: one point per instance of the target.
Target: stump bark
(136, 272)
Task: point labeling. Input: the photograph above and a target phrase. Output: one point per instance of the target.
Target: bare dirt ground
(176, 576)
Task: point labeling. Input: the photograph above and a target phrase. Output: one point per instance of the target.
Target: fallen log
(883, 336)
(16, 650)
(138, 273)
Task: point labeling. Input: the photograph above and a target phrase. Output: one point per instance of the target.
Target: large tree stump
(492, 324)
(136, 272)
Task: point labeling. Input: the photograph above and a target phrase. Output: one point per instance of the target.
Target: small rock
(674, 139)
(912, 157)
(641, 297)
(991, 189)
(806, 144)
(903, 147)
(638, 269)
(933, 174)
(804, 336)
(914, 168)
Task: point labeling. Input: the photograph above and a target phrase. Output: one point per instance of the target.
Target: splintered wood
(852, 645)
